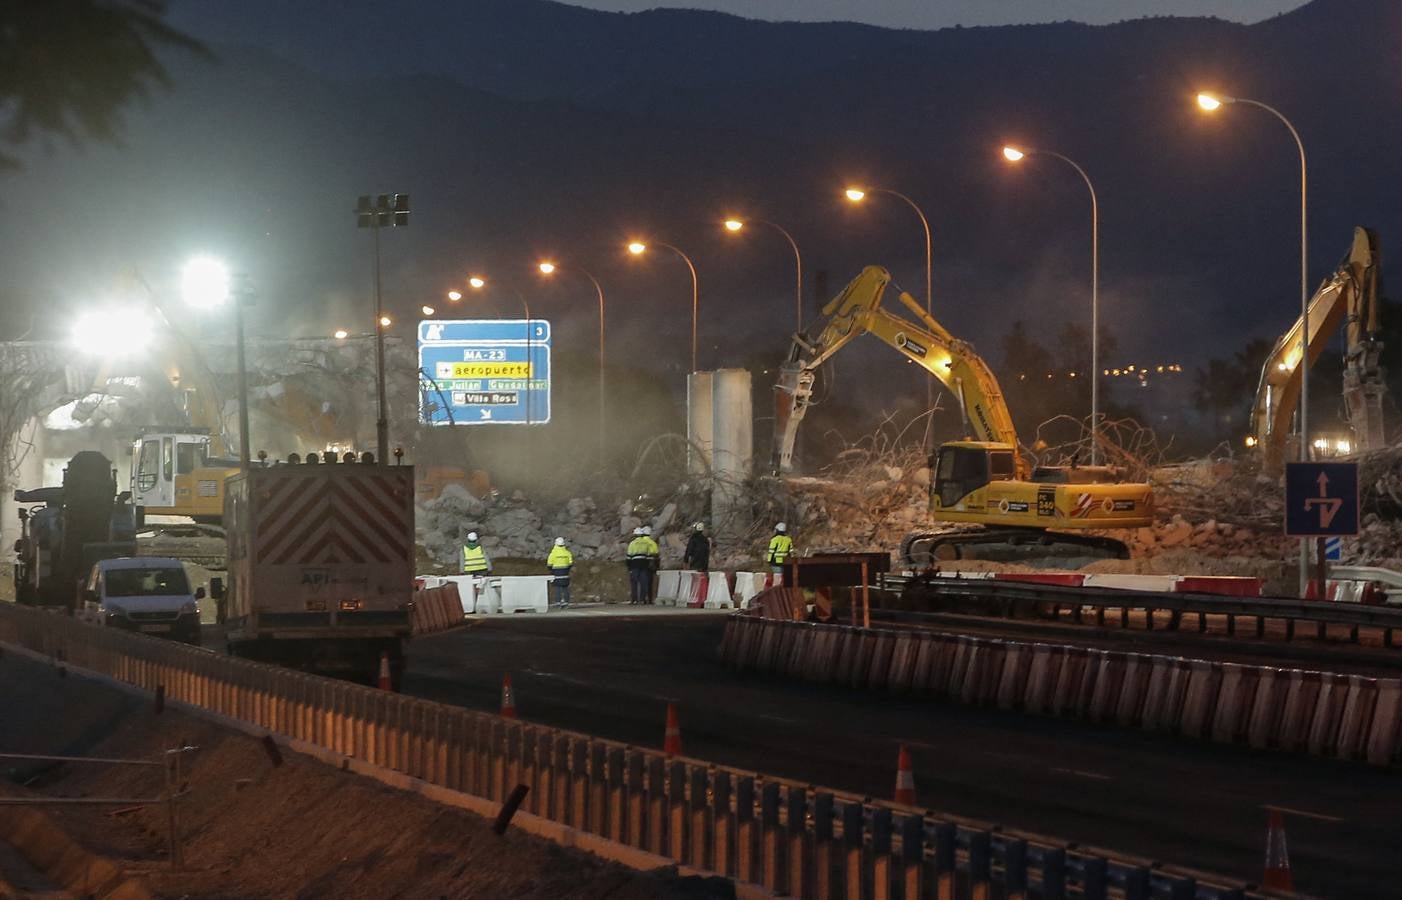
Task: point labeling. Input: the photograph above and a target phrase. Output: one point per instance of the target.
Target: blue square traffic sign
(484, 372)
(1321, 499)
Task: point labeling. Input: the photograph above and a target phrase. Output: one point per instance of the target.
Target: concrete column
(699, 424)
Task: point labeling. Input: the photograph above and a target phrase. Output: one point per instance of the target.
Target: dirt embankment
(302, 829)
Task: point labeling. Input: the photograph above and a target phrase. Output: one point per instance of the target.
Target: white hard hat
(638, 532)
(559, 542)
(647, 529)
(472, 535)
(781, 528)
(700, 526)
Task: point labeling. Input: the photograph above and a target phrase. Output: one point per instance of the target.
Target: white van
(150, 594)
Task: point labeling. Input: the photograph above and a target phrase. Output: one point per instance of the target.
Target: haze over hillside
(524, 128)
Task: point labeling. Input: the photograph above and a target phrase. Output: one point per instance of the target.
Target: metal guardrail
(174, 791)
(791, 838)
(1002, 597)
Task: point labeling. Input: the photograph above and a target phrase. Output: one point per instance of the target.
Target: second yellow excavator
(984, 480)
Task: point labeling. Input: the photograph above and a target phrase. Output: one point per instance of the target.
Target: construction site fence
(790, 838)
(1348, 717)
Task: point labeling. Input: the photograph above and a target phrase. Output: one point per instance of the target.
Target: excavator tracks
(924, 550)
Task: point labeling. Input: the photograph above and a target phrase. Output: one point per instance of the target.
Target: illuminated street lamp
(858, 195)
(386, 321)
(477, 283)
(1210, 102)
(1015, 155)
(341, 334)
(734, 226)
(205, 284)
(455, 296)
(549, 268)
(637, 248)
(427, 310)
(113, 331)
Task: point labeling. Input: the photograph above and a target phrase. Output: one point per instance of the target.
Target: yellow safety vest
(652, 548)
(474, 559)
(559, 558)
(780, 546)
(638, 549)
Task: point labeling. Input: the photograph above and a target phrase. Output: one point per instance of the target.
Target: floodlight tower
(392, 211)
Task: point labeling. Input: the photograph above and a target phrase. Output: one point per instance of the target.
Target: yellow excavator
(1350, 295)
(983, 480)
(179, 470)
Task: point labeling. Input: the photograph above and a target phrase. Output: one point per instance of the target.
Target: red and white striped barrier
(436, 609)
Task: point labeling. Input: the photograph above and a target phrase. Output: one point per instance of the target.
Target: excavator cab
(172, 474)
(963, 467)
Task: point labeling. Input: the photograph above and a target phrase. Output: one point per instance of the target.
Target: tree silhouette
(69, 67)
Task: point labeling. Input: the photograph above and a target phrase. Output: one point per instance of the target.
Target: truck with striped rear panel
(321, 565)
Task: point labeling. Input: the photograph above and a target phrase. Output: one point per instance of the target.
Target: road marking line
(773, 718)
(1094, 776)
(1303, 812)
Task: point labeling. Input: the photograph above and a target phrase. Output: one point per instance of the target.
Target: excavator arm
(1351, 296)
(922, 340)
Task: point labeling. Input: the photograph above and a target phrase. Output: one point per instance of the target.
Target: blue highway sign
(484, 372)
(1321, 499)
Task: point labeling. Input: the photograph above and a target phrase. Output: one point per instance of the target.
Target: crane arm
(923, 341)
(1351, 296)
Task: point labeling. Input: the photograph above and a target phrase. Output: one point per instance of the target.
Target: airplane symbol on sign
(1328, 506)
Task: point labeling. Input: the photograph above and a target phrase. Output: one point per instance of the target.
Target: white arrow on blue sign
(484, 372)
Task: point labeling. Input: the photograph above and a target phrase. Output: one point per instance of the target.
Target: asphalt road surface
(1201, 805)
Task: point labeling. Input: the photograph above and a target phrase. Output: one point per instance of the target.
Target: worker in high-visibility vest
(654, 563)
(474, 557)
(639, 569)
(780, 548)
(559, 562)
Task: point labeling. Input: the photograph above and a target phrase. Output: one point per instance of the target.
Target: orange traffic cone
(672, 740)
(1277, 857)
(508, 699)
(385, 683)
(905, 778)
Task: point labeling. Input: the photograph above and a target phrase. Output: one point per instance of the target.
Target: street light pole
(548, 268)
(737, 224)
(381, 414)
(241, 296)
(1013, 155)
(637, 247)
(1212, 102)
(387, 210)
(855, 195)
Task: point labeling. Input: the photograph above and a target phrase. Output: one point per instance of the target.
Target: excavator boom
(1349, 296)
(857, 311)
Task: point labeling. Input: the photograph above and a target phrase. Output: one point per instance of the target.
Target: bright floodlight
(205, 282)
(427, 310)
(1012, 154)
(1342, 446)
(637, 247)
(384, 321)
(340, 334)
(856, 194)
(455, 296)
(477, 282)
(115, 331)
(733, 224)
(546, 268)
(1208, 101)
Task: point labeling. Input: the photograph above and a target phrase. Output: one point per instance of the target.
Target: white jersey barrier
(493, 594)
